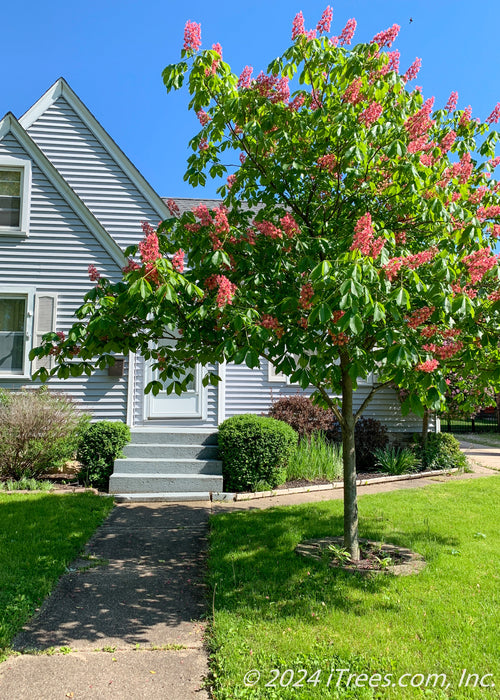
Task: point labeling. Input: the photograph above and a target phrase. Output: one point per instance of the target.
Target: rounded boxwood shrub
(255, 449)
(101, 445)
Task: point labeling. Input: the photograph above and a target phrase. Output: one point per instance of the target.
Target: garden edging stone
(327, 487)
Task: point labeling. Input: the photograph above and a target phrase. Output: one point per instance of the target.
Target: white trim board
(9, 124)
(61, 89)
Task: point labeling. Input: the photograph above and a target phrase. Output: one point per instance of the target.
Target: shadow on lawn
(147, 574)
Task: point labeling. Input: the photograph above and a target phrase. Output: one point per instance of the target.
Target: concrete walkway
(134, 620)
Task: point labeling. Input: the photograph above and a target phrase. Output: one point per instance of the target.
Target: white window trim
(24, 166)
(278, 377)
(27, 293)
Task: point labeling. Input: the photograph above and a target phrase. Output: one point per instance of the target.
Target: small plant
(254, 449)
(395, 460)
(315, 458)
(442, 451)
(340, 554)
(25, 484)
(101, 445)
(39, 430)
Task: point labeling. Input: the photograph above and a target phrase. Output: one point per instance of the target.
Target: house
(70, 198)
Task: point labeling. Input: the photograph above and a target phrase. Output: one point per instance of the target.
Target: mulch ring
(376, 557)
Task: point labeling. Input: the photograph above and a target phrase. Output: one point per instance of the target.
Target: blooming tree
(355, 234)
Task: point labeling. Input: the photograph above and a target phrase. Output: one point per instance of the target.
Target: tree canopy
(355, 234)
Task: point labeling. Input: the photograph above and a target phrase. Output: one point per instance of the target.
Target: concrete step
(170, 436)
(161, 483)
(165, 467)
(162, 497)
(171, 451)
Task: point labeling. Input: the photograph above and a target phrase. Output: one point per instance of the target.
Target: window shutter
(45, 322)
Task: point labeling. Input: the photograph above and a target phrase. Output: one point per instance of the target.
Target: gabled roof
(61, 89)
(10, 125)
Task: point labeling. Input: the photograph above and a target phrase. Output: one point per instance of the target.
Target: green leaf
(356, 324)
(379, 312)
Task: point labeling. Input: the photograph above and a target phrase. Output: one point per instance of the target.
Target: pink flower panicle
(149, 247)
(495, 230)
(494, 296)
(267, 228)
(311, 34)
(429, 331)
(448, 141)
(420, 316)
(427, 366)
(203, 117)
(492, 212)
(203, 145)
(413, 70)
(61, 335)
(192, 36)
(173, 208)
(478, 195)
(272, 323)
(339, 339)
(245, 79)
(370, 114)
(94, 274)
(298, 28)
(494, 162)
(364, 240)
(203, 214)
(393, 267)
(297, 102)
(420, 123)
(220, 221)
(479, 263)
(352, 92)
(130, 266)
(226, 289)
(393, 60)
(281, 92)
(387, 37)
(337, 315)
(328, 162)
(178, 261)
(231, 180)
(325, 22)
(290, 226)
(495, 115)
(451, 105)
(425, 256)
(465, 118)
(306, 294)
(347, 33)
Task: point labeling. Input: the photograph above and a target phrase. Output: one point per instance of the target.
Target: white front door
(188, 405)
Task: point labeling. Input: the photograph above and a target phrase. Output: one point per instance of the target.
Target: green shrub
(101, 445)
(315, 458)
(442, 451)
(39, 430)
(255, 449)
(395, 460)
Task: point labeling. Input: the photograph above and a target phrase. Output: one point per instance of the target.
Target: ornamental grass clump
(315, 459)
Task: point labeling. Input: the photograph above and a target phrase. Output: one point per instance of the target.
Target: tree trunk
(349, 460)
(425, 427)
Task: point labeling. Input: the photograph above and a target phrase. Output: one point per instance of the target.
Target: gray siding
(250, 391)
(54, 258)
(92, 173)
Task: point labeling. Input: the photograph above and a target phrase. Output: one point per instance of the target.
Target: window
(15, 186)
(10, 198)
(16, 314)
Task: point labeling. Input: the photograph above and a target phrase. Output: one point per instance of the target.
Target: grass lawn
(40, 534)
(490, 439)
(276, 610)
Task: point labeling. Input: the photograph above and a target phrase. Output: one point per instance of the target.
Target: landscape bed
(276, 610)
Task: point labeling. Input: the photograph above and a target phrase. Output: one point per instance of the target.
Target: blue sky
(112, 53)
